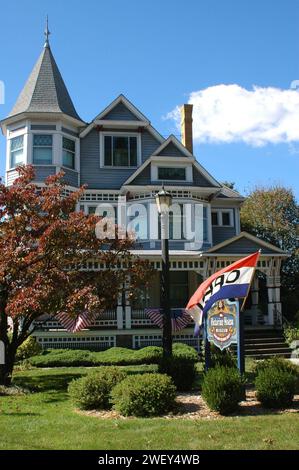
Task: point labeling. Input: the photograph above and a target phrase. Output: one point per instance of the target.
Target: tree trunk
(9, 351)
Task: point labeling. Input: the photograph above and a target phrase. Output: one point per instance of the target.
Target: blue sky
(161, 54)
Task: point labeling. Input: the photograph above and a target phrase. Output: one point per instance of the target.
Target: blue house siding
(220, 234)
(70, 177)
(108, 178)
(148, 145)
(121, 113)
(171, 150)
(42, 172)
(244, 246)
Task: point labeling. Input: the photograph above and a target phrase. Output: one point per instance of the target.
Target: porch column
(255, 299)
(128, 310)
(119, 312)
(274, 304)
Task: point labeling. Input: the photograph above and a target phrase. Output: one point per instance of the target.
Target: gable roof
(245, 243)
(133, 117)
(45, 90)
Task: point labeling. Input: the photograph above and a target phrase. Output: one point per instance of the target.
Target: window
(68, 152)
(226, 218)
(120, 151)
(222, 218)
(42, 149)
(215, 218)
(16, 151)
(176, 174)
(179, 289)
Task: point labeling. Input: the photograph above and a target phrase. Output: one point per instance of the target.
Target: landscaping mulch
(192, 406)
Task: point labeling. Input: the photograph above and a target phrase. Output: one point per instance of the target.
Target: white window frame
(119, 134)
(220, 219)
(66, 136)
(171, 164)
(52, 147)
(10, 166)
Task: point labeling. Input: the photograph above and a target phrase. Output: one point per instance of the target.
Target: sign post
(224, 325)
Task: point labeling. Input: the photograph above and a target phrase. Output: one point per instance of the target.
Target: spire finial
(47, 33)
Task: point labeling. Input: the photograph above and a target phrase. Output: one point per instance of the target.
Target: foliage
(29, 348)
(273, 215)
(223, 389)
(224, 358)
(275, 387)
(278, 363)
(291, 333)
(93, 391)
(144, 395)
(42, 241)
(181, 366)
(112, 356)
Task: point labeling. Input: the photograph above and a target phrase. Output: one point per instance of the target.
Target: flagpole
(252, 276)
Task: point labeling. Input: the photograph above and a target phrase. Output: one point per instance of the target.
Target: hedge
(113, 356)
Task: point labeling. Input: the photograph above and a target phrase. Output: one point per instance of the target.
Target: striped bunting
(73, 325)
(179, 317)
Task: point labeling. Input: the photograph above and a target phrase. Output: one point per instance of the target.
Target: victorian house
(120, 153)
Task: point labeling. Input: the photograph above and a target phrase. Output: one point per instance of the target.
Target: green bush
(291, 333)
(180, 366)
(29, 348)
(113, 356)
(93, 391)
(144, 395)
(223, 358)
(280, 364)
(223, 389)
(275, 387)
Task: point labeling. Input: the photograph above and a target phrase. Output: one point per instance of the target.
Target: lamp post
(164, 201)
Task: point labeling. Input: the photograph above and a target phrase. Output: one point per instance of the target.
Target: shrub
(275, 387)
(223, 389)
(181, 366)
(112, 356)
(144, 395)
(29, 348)
(291, 334)
(93, 391)
(280, 364)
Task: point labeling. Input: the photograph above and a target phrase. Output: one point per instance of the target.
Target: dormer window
(42, 149)
(68, 153)
(120, 150)
(223, 218)
(16, 151)
(172, 173)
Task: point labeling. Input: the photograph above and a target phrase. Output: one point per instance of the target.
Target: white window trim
(76, 154)
(119, 134)
(188, 169)
(220, 220)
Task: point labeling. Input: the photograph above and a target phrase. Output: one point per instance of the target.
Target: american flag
(83, 320)
(179, 317)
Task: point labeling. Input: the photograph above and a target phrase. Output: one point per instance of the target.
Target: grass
(46, 420)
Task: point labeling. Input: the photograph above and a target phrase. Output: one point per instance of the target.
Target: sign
(222, 323)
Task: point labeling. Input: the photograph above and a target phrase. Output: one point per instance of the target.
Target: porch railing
(106, 319)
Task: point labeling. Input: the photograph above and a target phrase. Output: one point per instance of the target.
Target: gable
(171, 150)
(144, 177)
(199, 179)
(120, 113)
(244, 243)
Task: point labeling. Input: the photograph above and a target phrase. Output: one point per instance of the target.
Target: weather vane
(47, 33)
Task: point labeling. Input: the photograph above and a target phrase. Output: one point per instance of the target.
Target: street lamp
(164, 201)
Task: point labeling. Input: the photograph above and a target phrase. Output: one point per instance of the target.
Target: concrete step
(264, 340)
(269, 355)
(259, 346)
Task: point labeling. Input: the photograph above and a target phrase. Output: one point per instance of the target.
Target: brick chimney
(186, 126)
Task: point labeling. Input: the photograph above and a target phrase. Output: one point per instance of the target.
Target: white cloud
(230, 113)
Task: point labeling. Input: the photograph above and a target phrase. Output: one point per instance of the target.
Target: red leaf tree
(44, 246)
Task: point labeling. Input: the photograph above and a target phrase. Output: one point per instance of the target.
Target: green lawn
(45, 420)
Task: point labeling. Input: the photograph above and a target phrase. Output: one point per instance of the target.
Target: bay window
(42, 149)
(68, 153)
(16, 151)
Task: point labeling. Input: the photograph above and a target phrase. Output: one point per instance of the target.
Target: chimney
(186, 126)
